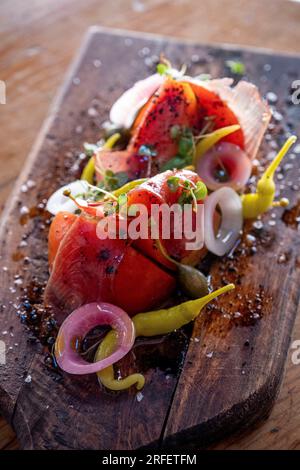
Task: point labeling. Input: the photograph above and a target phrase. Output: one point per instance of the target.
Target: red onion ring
(235, 161)
(79, 323)
(231, 222)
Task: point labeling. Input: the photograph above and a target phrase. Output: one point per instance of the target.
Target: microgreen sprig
(192, 192)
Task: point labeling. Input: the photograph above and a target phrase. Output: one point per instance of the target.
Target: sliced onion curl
(125, 109)
(224, 165)
(79, 323)
(231, 220)
(58, 202)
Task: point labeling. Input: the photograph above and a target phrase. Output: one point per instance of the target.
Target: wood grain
(32, 60)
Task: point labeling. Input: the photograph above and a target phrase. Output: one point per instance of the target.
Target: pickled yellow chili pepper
(89, 169)
(107, 376)
(257, 203)
(213, 138)
(128, 186)
(189, 167)
(154, 323)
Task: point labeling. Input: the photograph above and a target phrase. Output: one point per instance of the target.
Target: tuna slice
(173, 104)
(252, 112)
(88, 269)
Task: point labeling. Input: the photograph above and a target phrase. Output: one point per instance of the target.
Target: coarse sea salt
(24, 210)
(139, 396)
(271, 97)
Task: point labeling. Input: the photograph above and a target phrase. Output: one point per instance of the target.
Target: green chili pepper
(154, 323)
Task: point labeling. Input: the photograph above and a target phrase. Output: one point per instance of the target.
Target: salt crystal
(145, 51)
(148, 62)
(274, 144)
(28, 379)
(282, 258)
(258, 224)
(195, 58)
(92, 112)
(271, 155)
(297, 148)
(250, 238)
(271, 97)
(24, 210)
(139, 396)
(31, 184)
(76, 81)
(209, 355)
(277, 116)
(97, 63)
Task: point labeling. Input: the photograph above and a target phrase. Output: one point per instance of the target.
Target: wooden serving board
(220, 375)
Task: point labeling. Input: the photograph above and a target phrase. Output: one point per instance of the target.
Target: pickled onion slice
(78, 324)
(224, 165)
(231, 221)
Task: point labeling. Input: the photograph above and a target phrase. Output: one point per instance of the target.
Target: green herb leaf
(90, 149)
(173, 183)
(186, 143)
(236, 67)
(113, 181)
(162, 68)
(109, 208)
(176, 162)
(185, 198)
(200, 191)
(122, 201)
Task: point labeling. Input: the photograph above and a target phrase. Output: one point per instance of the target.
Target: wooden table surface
(38, 39)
